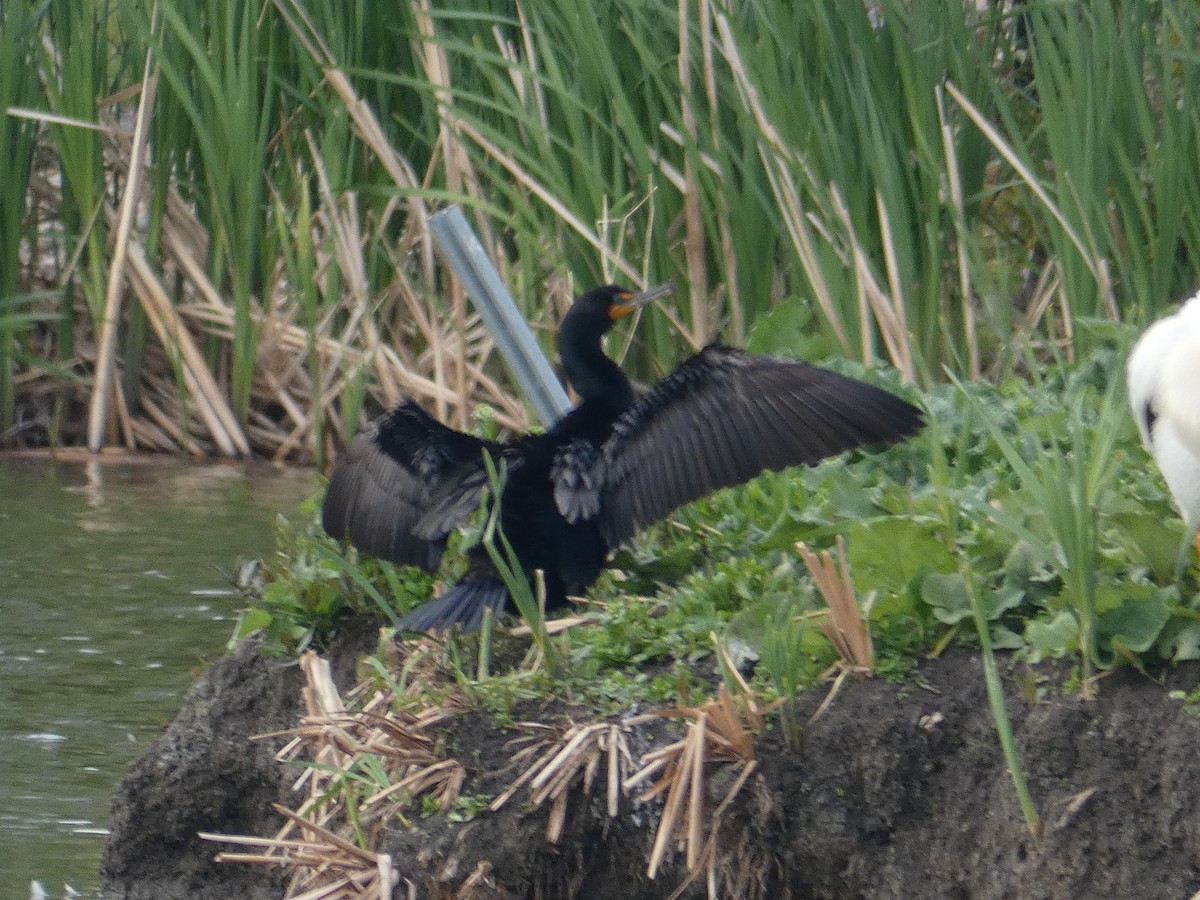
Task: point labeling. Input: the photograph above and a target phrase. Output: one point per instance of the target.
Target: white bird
(1164, 391)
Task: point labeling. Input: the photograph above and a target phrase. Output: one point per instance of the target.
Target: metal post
(466, 257)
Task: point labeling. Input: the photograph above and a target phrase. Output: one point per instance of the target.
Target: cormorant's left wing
(723, 417)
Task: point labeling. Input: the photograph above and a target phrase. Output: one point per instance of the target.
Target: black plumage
(611, 466)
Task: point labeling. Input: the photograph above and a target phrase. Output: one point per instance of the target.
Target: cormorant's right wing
(403, 484)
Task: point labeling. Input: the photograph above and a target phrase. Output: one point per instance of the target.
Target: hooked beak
(630, 302)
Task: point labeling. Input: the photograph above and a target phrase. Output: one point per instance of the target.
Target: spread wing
(724, 416)
(403, 484)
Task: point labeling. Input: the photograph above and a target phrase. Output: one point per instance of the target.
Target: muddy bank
(897, 791)
(205, 774)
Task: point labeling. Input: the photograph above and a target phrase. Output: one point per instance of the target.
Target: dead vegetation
(397, 343)
(367, 758)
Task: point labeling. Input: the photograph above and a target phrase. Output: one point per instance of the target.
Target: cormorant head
(597, 310)
(590, 372)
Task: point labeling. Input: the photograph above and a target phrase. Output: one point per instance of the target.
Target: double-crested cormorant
(1164, 391)
(612, 465)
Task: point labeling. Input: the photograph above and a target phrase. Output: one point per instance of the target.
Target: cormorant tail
(462, 605)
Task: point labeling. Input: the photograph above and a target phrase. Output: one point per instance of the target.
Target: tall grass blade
(98, 420)
(995, 693)
(19, 23)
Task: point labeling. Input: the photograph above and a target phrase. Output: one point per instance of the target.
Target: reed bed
(228, 206)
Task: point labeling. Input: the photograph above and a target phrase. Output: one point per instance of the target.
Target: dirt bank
(897, 791)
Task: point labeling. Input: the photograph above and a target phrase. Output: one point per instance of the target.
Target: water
(112, 599)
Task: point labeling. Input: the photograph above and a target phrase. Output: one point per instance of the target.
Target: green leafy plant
(309, 585)
(1065, 469)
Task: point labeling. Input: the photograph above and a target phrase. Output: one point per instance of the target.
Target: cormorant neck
(594, 376)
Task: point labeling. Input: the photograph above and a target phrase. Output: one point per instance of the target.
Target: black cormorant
(612, 465)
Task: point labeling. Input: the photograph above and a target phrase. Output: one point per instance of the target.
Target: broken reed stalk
(844, 626)
(354, 872)
(222, 425)
(720, 731)
(316, 842)
(573, 758)
(326, 841)
(105, 362)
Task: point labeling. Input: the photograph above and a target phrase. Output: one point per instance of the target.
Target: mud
(896, 791)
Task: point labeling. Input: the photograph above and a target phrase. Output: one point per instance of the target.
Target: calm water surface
(112, 598)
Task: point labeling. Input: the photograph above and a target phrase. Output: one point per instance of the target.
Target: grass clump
(307, 590)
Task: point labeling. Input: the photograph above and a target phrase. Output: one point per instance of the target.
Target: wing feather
(403, 484)
(726, 415)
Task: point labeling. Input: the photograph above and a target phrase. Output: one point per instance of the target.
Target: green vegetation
(948, 195)
(911, 182)
(306, 589)
(953, 526)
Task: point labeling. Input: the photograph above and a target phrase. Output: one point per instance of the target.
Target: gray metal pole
(466, 257)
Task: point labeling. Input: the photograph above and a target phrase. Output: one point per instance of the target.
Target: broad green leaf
(892, 552)
(951, 603)
(1134, 624)
(1152, 541)
(1054, 637)
(1179, 643)
(251, 621)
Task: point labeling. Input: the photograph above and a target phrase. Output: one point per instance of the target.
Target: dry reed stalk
(897, 332)
(346, 870)
(960, 230)
(844, 625)
(555, 626)
(170, 436)
(176, 339)
(783, 186)
(694, 239)
(459, 174)
(778, 159)
(706, 861)
(338, 733)
(720, 731)
(105, 363)
(888, 312)
(572, 759)
(733, 300)
(1091, 257)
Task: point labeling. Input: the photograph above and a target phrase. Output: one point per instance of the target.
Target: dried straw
(844, 625)
(328, 841)
(720, 731)
(318, 842)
